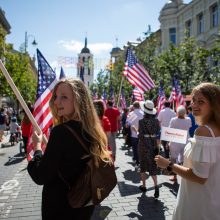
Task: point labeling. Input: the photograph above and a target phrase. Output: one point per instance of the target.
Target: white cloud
(96, 48)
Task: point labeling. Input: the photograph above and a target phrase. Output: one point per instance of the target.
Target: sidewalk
(20, 198)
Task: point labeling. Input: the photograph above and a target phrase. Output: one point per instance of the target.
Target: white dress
(196, 201)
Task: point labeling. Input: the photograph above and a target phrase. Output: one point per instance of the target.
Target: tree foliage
(189, 62)
(20, 70)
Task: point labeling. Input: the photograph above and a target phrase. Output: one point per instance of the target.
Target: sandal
(143, 188)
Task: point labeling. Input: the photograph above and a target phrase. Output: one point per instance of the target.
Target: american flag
(62, 74)
(172, 97)
(94, 95)
(112, 96)
(41, 112)
(136, 74)
(161, 99)
(122, 99)
(176, 94)
(179, 97)
(104, 98)
(137, 95)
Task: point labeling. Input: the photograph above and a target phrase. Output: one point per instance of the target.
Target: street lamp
(27, 36)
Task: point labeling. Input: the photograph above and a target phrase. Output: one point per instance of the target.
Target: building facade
(198, 19)
(4, 22)
(85, 67)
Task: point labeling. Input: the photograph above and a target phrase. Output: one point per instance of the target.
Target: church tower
(85, 67)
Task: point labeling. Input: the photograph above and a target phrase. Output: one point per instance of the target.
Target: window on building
(88, 83)
(189, 28)
(172, 34)
(214, 15)
(200, 23)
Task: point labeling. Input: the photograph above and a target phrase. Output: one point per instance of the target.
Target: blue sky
(60, 26)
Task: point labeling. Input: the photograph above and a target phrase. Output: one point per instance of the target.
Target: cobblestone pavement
(20, 198)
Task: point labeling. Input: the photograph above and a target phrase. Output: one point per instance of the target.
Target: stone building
(4, 22)
(6, 26)
(85, 67)
(198, 19)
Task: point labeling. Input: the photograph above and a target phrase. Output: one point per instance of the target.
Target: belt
(150, 135)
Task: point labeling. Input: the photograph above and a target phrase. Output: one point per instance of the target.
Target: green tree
(20, 70)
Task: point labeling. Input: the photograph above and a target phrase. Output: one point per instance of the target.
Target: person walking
(194, 125)
(106, 125)
(113, 115)
(176, 149)
(164, 118)
(133, 123)
(2, 123)
(148, 145)
(26, 127)
(199, 192)
(64, 157)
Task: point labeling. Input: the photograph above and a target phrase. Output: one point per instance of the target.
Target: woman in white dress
(199, 192)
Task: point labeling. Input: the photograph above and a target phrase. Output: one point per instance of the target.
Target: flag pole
(119, 93)
(21, 100)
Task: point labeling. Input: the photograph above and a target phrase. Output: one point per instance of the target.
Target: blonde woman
(71, 105)
(199, 193)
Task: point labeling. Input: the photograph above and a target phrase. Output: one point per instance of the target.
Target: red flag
(136, 74)
(41, 112)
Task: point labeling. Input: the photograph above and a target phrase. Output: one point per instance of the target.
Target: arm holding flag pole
(21, 100)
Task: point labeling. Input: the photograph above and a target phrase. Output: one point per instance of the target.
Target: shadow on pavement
(8, 144)
(149, 208)
(132, 175)
(127, 189)
(17, 158)
(101, 212)
(173, 187)
(127, 149)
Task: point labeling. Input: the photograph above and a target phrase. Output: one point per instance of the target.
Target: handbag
(94, 184)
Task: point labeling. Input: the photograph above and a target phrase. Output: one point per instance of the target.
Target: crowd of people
(196, 162)
(17, 124)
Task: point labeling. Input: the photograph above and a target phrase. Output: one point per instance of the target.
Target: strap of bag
(77, 137)
(81, 142)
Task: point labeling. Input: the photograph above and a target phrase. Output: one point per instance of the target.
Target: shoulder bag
(94, 184)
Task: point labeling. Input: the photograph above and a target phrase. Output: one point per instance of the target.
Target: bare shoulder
(203, 131)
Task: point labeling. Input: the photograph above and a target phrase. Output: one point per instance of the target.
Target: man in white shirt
(164, 118)
(133, 121)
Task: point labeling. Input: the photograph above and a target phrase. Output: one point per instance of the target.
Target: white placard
(174, 135)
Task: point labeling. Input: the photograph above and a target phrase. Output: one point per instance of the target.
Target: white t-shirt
(133, 120)
(165, 116)
(194, 200)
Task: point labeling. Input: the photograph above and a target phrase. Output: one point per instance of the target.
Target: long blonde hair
(212, 93)
(85, 112)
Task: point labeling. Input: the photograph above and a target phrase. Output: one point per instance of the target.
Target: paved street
(20, 198)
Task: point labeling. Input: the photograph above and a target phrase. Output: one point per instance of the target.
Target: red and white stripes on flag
(122, 99)
(176, 94)
(172, 97)
(41, 112)
(137, 95)
(161, 99)
(136, 73)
